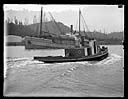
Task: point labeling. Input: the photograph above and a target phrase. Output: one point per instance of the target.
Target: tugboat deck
(58, 59)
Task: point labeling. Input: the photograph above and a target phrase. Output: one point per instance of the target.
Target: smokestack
(71, 29)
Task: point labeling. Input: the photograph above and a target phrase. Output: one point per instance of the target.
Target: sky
(108, 18)
(47, 7)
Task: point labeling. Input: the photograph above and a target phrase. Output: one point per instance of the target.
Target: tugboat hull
(59, 59)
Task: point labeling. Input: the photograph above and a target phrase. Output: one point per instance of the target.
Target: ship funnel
(71, 29)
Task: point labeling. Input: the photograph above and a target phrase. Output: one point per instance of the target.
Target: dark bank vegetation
(18, 29)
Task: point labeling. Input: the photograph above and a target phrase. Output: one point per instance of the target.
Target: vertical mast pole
(79, 20)
(41, 21)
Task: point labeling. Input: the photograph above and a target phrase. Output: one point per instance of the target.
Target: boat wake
(19, 62)
(17, 59)
(112, 58)
(24, 62)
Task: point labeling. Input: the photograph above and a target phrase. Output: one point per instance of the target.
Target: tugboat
(88, 50)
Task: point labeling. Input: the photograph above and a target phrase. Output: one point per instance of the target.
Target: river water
(24, 76)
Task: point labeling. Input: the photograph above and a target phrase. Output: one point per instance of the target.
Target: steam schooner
(48, 40)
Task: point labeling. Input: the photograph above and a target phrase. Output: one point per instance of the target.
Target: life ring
(79, 51)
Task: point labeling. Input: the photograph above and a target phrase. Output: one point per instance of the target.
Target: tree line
(16, 21)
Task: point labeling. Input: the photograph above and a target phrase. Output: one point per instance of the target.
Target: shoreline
(22, 44)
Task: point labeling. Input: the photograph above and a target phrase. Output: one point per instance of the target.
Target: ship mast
(41, 21)
(79, 20)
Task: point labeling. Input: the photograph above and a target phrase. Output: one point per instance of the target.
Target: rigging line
(87, 27)
(84, 29)
(45, 23)
(56, 23)
(76, 25)
(85, 24)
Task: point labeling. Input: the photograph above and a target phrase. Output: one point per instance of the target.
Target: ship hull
(59, 59)
(41, 43)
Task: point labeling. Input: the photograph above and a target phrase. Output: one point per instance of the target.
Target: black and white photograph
(63, 50)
